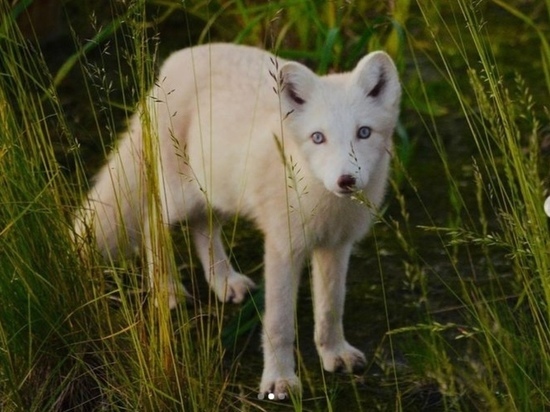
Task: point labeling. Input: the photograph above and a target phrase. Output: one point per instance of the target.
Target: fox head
(343, 123)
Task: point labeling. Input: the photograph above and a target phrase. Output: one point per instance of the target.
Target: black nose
(346, 182)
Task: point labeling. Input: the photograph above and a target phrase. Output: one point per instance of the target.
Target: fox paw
(234, 288)
(279, 388)
(345, 358)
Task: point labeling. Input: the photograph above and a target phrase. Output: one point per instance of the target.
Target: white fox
(241, 131)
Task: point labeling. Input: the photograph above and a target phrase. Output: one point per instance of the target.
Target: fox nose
(346, 182)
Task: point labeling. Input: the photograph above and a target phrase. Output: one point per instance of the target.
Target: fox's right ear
(297, 84)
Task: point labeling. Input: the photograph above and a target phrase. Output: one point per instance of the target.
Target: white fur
(228, 142)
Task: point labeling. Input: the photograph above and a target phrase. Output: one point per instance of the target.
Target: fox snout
(347, 183)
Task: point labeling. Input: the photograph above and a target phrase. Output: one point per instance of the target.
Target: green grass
(467, 257)
(504, 364)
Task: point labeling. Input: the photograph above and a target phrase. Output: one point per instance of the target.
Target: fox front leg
(329, 289)
(282, 272)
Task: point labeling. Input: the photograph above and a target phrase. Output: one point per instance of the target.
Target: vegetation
(455, 311)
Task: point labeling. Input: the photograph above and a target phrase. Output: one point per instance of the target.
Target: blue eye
(318, 138)
(364, 132)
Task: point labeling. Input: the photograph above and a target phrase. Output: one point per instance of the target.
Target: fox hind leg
(227, 284)
(163, 276)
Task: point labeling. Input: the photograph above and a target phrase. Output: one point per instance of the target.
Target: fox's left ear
(377, 76)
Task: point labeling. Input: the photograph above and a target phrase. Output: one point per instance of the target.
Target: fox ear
(298, 83)
(377, 75)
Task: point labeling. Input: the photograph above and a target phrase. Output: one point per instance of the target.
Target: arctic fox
(238, 130)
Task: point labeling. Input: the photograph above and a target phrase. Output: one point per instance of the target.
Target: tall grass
(72, 340)
(77, 333)
(504, 364)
